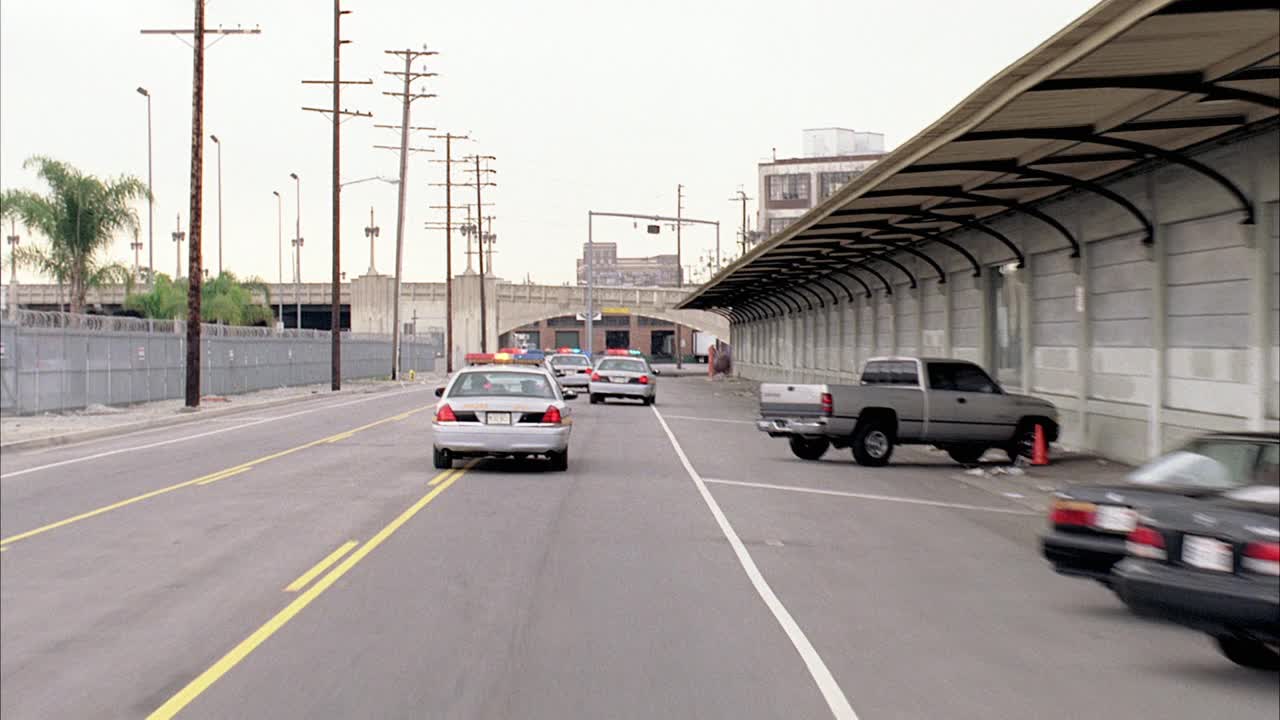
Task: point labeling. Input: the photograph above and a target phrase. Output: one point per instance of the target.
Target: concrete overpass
(368, 302)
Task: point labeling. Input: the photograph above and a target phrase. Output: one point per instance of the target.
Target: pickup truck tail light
(445, 414)
(1262, 558)
(1072, 513)
(552, 416)
(828, 405)
(1146, 542)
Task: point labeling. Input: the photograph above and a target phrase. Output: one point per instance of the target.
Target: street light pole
(590, 310)
(297, 247)
(279, 256)
(219, 144)
(178, 237)
(151, 237)
(13, 269)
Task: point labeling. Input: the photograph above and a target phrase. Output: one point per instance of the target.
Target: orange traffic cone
(1040, 451)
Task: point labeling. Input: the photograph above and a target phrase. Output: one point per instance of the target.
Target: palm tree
(224, 300)
(79, 217)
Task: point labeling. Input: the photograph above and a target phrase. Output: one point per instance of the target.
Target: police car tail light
(644, 379)
(445, 414)
(1262, 558)
(552, 416)
(827, 404)
(1071, 513)
(595, 377)
(1146, 542)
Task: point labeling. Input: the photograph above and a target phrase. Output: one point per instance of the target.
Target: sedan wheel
(559, 460)
(1249, 653)
(440, 458)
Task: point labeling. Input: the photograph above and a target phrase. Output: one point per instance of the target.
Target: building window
(1007, 294)
(776, 225)
(794, 186)
(830, 182)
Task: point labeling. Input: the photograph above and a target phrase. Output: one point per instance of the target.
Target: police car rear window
(498, 383)
(622, 365)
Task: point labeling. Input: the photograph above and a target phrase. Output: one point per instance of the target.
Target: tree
(224, 300)
(78, 217)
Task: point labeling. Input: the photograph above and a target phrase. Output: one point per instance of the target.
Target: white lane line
(707, 419)
(831, 692)
(185, 438)
(868, 496)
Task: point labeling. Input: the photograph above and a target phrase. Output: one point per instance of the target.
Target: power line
(480, 183)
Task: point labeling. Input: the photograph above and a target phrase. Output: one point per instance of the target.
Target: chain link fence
(51, 361)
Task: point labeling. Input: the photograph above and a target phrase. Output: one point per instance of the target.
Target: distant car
(624, 377)
(502, 411)
(570, 369)
(1213, 565)
(1088, 523)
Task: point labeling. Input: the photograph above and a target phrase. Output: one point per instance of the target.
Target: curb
(178, 418)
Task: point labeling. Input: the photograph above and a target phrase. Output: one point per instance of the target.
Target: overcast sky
(587, 105)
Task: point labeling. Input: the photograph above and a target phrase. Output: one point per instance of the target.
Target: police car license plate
(1206, 553)
(619, 379)
(497, 418)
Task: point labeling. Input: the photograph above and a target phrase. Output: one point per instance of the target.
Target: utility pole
(336, 115)
(448, 245)
(178, 236)
(194, 258)
(136, 246)
(297, 249)
(479, 183)
(371, 232)
(279, 257)
(151, 199)
(13, 241)
(490, 239)
(742, 241)
(407, 96)
(679, 270)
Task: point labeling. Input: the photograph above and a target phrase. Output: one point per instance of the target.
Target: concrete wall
(1139, 346)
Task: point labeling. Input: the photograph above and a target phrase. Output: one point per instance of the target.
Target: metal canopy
(1128, 84)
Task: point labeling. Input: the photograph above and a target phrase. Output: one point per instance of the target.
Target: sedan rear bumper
(630, 390)
(1079, 555)
(477, 439)
(1215, 603)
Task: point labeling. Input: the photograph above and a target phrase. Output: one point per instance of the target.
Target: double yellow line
(193, 689)
(205, 479)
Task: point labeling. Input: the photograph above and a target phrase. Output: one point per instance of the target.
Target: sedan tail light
(1262, 558)
(644, 379)
(828, 405)
(595, 377)
(552, 416)
(1072, 513)
(1146, 542)
(445, 414)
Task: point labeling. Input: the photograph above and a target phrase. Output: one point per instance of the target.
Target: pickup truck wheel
(1023, 443)
(809, 448)
(967, 454)
(1249, 653)
(440, 458)
(872, 445)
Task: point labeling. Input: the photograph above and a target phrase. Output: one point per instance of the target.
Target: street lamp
(297, 246)
(151, 238)
(13, 269)
(219, 144)
(279, 255)
(136, 245)
(178, 236)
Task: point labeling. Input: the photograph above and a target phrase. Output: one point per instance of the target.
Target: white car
(570, 369)
(624, 376)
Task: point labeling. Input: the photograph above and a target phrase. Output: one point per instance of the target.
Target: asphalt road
(685, 567)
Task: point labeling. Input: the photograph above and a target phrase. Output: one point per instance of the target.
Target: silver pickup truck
(951, 404)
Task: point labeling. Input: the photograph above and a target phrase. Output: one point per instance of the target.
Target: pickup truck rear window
(960, 377)
(891, 372)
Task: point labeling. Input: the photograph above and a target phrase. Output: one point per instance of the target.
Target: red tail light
(1262, 558)
(1068, 512)
(445, 414)
(644, 379)
(828, 405)
(595, 377)
(552, 416)
(1145, 542)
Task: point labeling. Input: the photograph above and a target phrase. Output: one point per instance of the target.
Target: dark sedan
(1088, 523)
(1212, 565)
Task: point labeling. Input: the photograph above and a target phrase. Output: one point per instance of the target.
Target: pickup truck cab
(951, 404)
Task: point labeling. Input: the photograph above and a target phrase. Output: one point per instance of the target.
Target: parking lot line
(869, 496)
(207, 678)
(826, 682)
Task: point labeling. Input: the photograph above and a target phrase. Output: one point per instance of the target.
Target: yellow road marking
(202, 682)
(465, 467)
(210, 477)
(340, 436)
(226, 474)
(320, 567)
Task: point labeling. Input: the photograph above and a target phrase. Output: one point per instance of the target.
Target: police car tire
(560, 460)
(440, 458)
